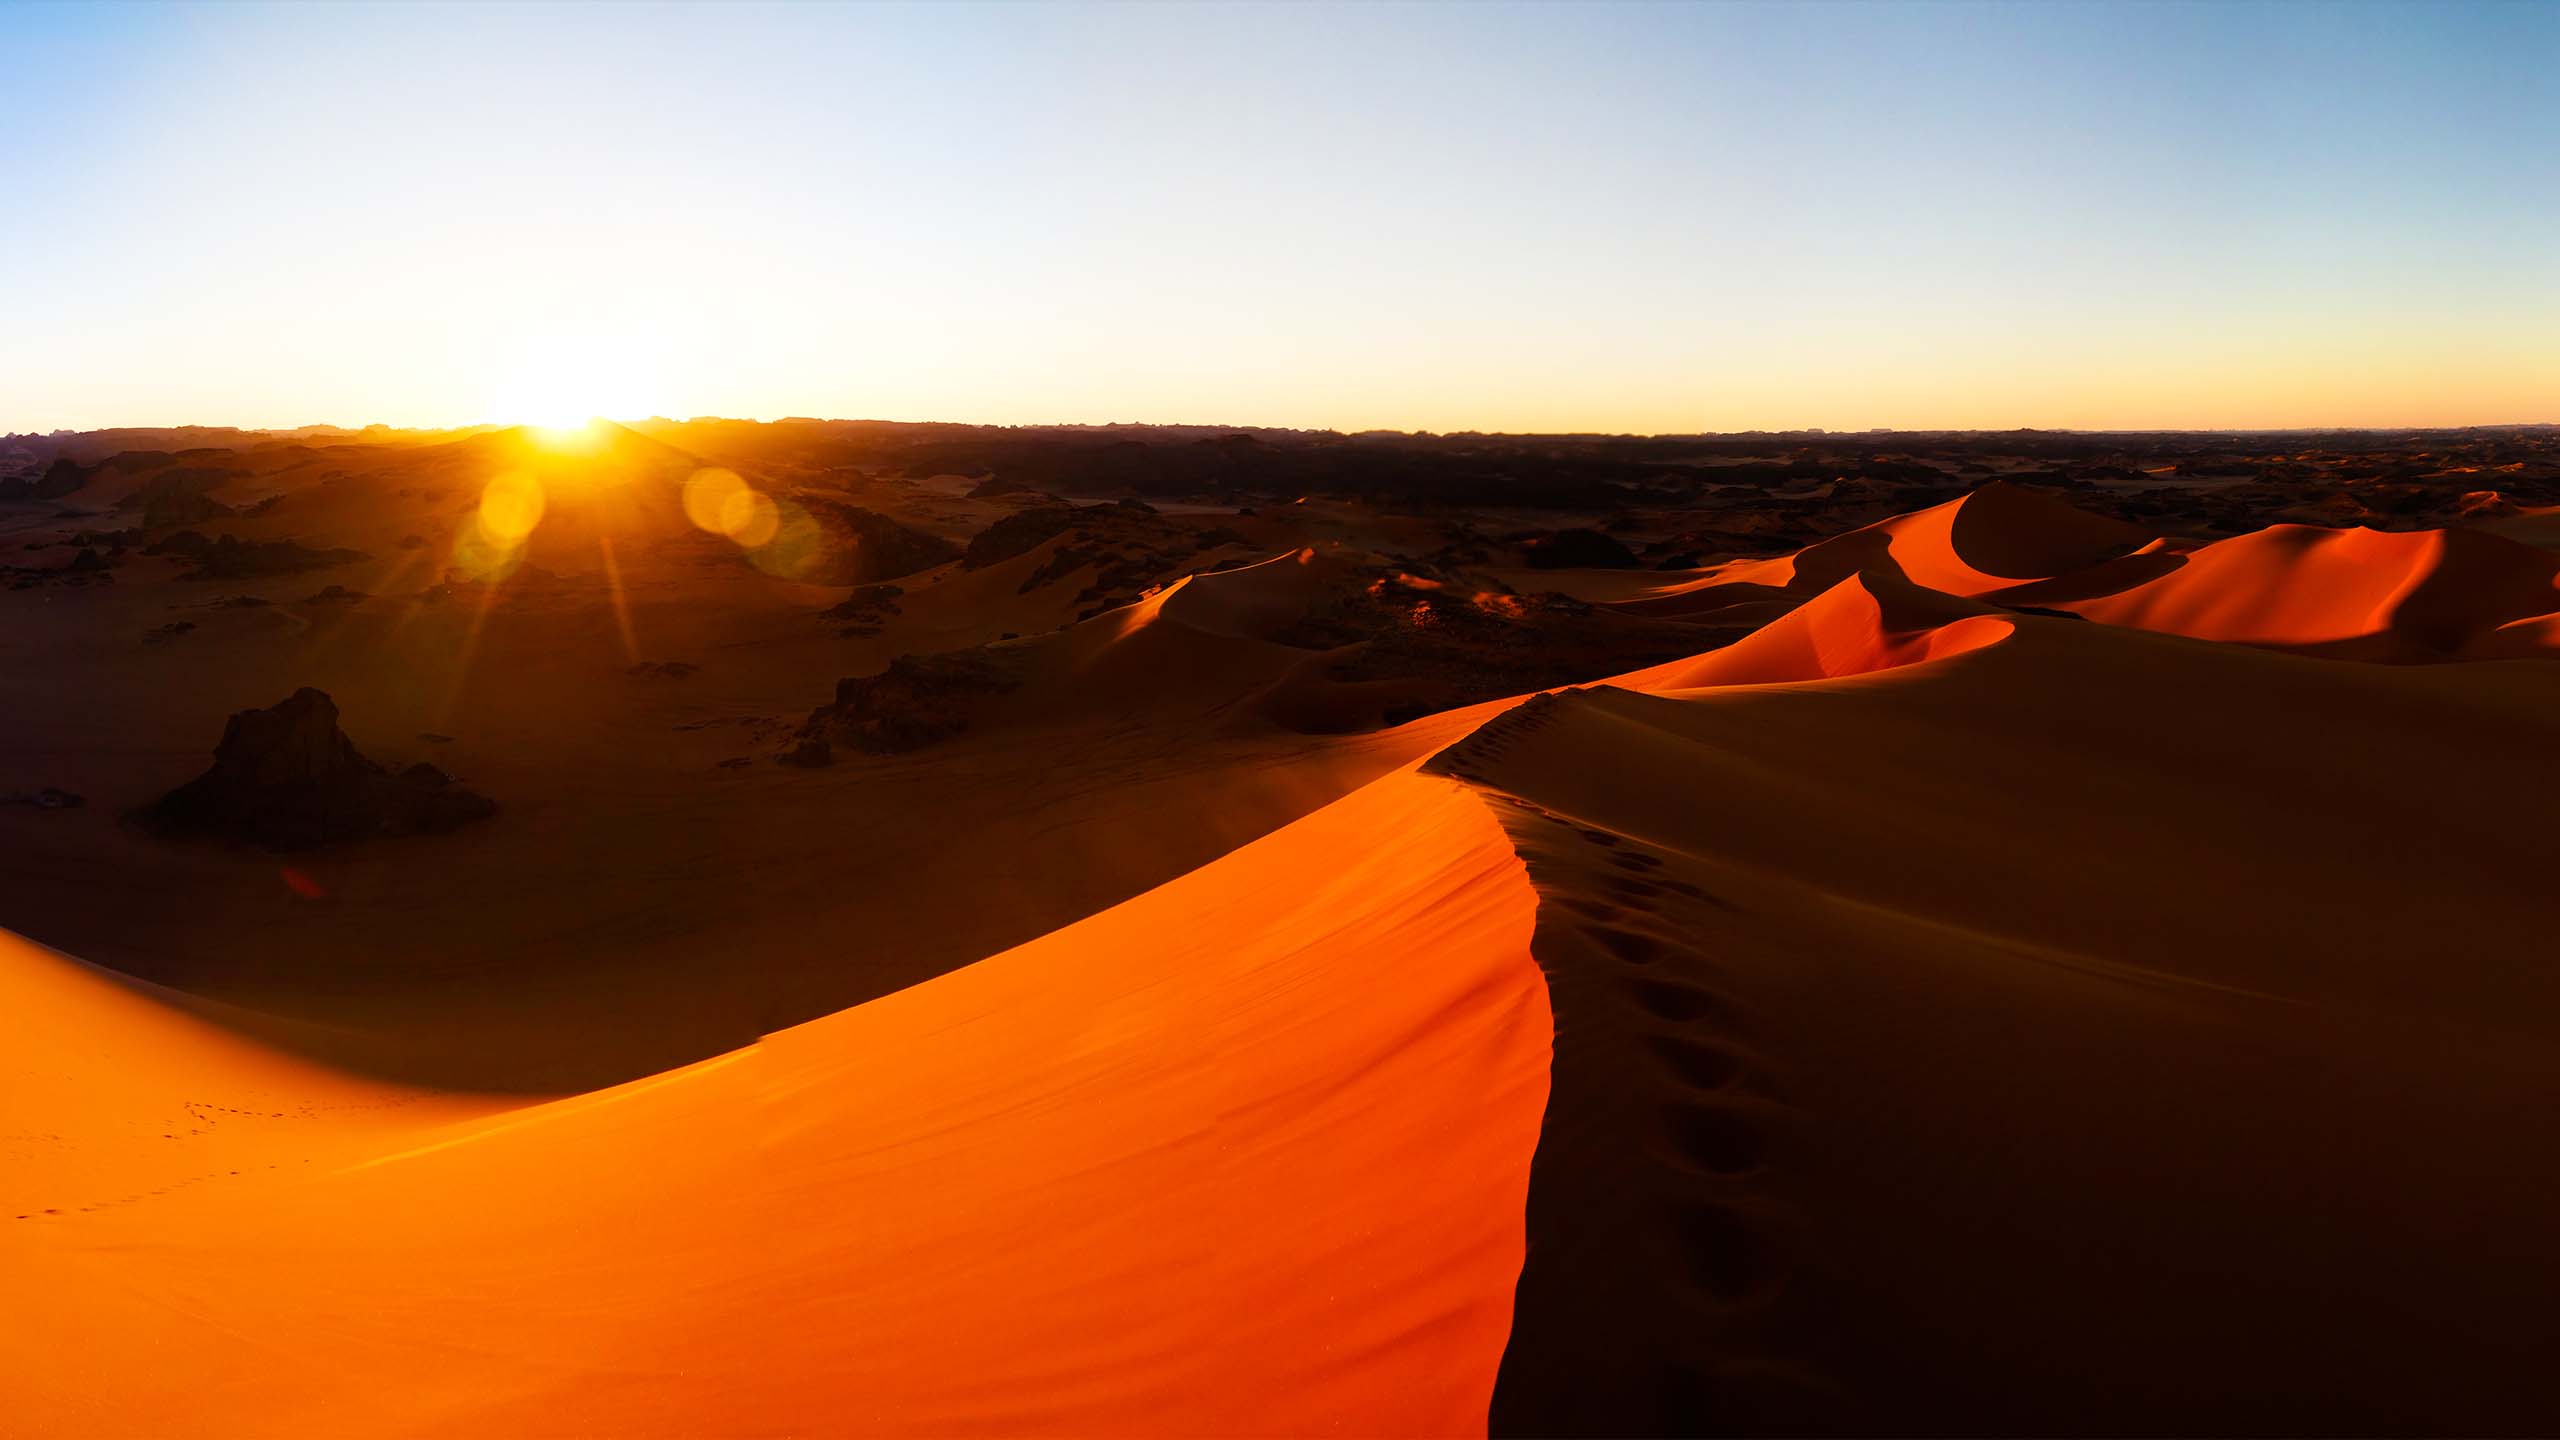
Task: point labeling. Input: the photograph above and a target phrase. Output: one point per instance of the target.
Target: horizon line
(1822, 431)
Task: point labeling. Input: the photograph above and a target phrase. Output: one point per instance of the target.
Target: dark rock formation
(867, 602)
(287, 778)
(865, 610)
(918, 700)
(232, 558)
(1578, 550)
(1017, 534)
(813, 752)
(179, 497)
(864, 547)
(62, 477)
(1128, 550)
(48, 797)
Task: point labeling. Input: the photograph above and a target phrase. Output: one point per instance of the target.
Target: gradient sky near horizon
(1547, 217)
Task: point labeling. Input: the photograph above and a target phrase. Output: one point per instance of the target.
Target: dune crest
(2353, 594)
(2360, 594)
(1998, 537)
(1865, 623)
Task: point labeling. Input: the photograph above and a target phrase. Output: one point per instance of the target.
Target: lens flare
(718, 501)
(707, 495)
(490, 547)
(510, 506)
(799, 547)
(750, 518)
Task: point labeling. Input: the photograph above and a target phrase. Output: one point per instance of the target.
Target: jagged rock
(288, 778)
(62, 477)
(1578, 550)
(232, 558)
(918, 700)
(864, 546)
(1015, 534)
(868, 602)
(811, 753)
(46, 798)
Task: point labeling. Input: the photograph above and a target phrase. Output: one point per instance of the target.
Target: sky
(1568, 217)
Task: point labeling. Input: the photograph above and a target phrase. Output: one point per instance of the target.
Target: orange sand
(1244, 1155)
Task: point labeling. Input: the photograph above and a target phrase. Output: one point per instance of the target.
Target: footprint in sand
(1674, 1000)
(1633, 946)
(1700, 1066)
(1728, 1259)
(1714, 1138)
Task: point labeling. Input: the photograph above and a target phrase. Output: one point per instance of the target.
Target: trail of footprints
(1692, 1032)
(207, 1116)
(1718, 1227)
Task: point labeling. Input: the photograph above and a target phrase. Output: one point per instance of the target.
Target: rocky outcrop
(866, 547)
(1577, 550)
(63, 477)
(917, 701)
(229, 557)
(1017, 534)
(287, 778)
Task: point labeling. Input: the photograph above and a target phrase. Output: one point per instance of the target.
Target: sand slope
(1245, 1155)
(2085, 1031)
(113, 1094)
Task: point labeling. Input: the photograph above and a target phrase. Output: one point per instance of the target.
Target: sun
(568, 436)
(560, 387)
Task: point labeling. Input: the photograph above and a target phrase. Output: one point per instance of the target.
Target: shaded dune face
(2019, 1038)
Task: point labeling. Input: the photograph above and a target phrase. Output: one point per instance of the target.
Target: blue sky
(1588, 216)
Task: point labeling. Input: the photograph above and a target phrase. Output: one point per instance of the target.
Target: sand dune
(120, 1095)
(1998, 538)
(1861, 624)
(1910, 1020)
(2357, 594)
(2353, 594)
(1245, 1155)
